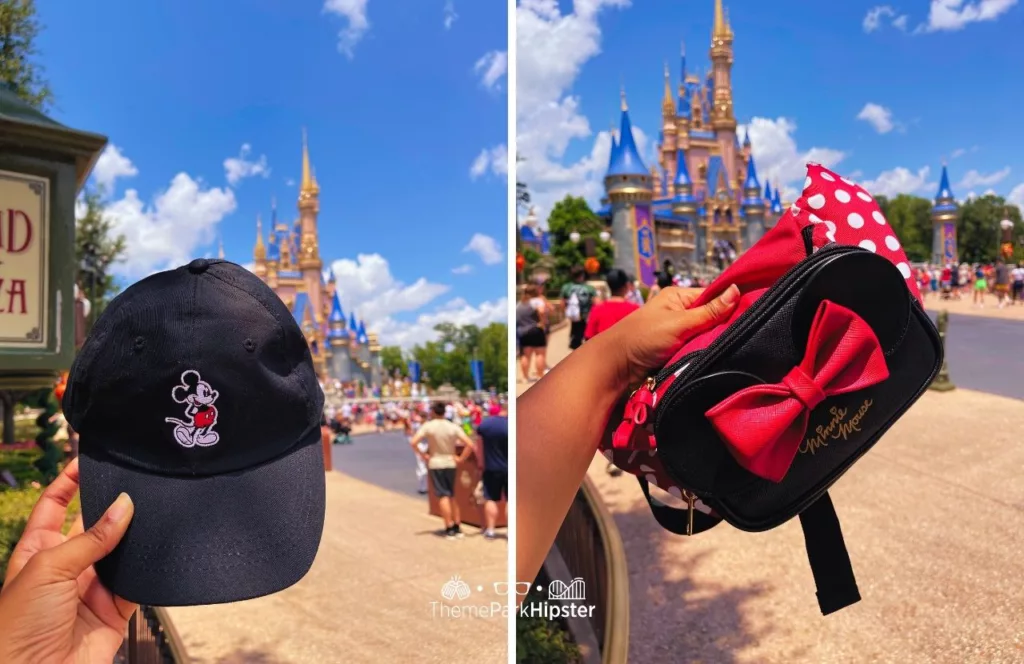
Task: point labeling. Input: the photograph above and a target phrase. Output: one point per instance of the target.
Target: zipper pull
(690, 500)
(638, 409)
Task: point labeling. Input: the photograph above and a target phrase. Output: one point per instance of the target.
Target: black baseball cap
(195, 394)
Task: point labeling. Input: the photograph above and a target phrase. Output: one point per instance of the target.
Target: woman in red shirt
(605, 314)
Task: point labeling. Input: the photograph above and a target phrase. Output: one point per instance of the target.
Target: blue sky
(406, 109)
(931, 80)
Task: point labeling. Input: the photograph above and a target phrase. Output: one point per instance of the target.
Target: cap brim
(208, 540)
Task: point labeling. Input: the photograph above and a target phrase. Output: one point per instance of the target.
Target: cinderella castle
(289, 262)
(702, 202)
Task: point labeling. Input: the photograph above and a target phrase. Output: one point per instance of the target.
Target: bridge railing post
(942, 383)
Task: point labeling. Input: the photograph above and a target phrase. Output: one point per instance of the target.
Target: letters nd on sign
(24, 260)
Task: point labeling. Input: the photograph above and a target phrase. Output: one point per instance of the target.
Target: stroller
(342, 432)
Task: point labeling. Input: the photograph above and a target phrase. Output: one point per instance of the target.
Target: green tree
(978, 232)
(392, 359)
(97, 249)
(446, 360)
(910, 218)
(19, 28)
(572, 214)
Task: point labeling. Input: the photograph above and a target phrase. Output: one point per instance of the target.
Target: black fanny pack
(775, 369)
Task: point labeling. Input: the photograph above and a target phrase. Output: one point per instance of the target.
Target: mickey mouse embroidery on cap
(199, 397)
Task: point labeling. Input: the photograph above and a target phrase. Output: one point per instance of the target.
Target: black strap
(830, 561)
(674, 519)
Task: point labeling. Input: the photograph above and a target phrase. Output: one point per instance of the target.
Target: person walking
(980, 286)
(442, 438)
(578, 297)
(412, 425)
(493, 433)
(1017, 280)
(1002, 275)
(531, 328)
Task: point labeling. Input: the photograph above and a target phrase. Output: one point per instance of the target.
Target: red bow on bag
(763, 425)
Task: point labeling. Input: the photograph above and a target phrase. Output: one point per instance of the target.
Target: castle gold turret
(289, 262)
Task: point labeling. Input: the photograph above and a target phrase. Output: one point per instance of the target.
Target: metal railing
(590, 545)
(151, 639)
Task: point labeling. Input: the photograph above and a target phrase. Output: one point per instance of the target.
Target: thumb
(75, 555)
(714, 311)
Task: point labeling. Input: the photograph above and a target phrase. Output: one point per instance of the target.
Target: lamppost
(589, 244)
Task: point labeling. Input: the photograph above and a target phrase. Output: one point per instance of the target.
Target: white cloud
(777, 156)
(354, 12)
(238, 168)
(493, 160)
(899, 180)
(552, 49)
(952, 15)
(368, 287)
(877, 116)
(462, 269)
(492, 67)
(167, 232)
(1016, 196)
(974, 179)
(112, 165)
(456, 311)
(487, 248)
(449, 14)
(873, 19)
(959, 152)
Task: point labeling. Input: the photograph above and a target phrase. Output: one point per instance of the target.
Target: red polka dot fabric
(841, 211)
(849, 215)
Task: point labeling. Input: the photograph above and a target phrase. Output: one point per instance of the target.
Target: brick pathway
(370, 596)
(934, 520)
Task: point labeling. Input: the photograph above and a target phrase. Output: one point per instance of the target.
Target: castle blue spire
(685, 102)
(944, 190)
(337, 313)
(682, 63)
(625, 158)
(746, 138)
(361, 337)
(767, 191)
(682, 172)
(777, 202)
(352, 325)
(751, 181)
(683, 184)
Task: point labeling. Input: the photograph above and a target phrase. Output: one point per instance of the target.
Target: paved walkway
(373, 594)
(964, 306)
(934, 520)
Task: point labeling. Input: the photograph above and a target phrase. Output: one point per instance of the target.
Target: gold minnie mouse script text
(840, 426)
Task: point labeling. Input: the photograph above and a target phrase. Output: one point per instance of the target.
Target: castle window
(702, 172)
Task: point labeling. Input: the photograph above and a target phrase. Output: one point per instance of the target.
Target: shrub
(542, 641)
(17, 503)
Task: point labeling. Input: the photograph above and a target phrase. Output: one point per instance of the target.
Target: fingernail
(119, 508)
(731, 294)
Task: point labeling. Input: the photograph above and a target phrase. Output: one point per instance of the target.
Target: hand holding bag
(752, 421)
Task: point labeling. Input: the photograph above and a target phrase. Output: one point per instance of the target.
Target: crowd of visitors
(1001, 280)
